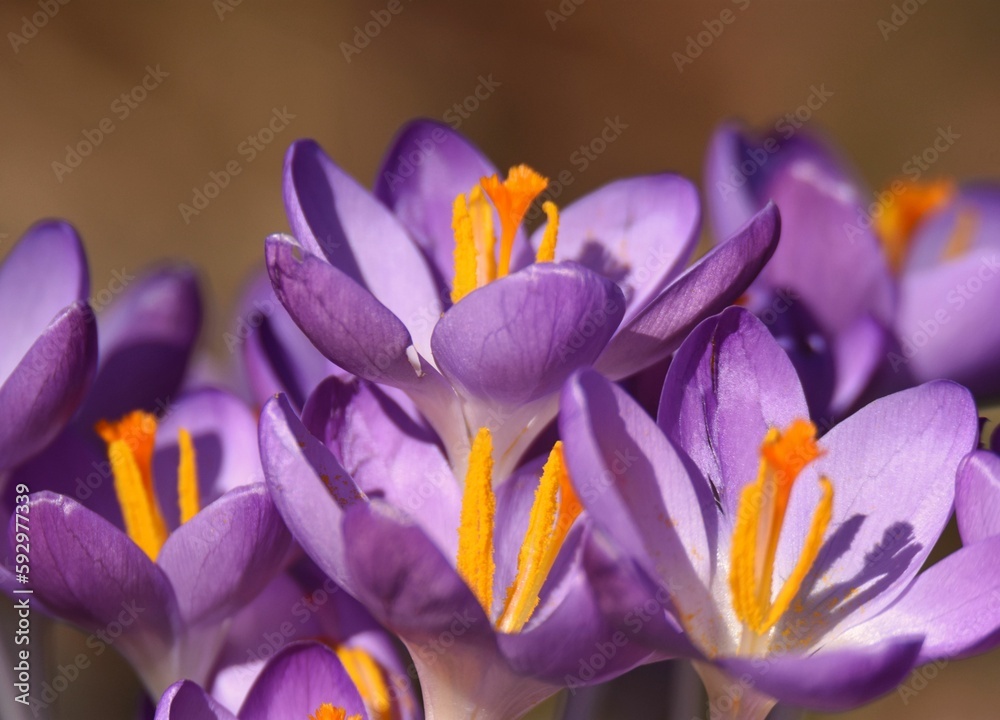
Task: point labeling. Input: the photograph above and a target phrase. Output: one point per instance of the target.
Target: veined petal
(334, 217)
(977, 497)
(639, 232)
(45, 272)
(706, 288)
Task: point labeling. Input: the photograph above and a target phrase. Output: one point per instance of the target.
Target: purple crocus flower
(195, 536)
(305, 681)
(303, 604)
(867, 289)
(481, 332)
(977, 494)
(48, 342)
(829, 297)
(786, 567)
(485, 587)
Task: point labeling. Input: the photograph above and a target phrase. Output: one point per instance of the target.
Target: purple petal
(955, 603)
(640, 232)
(224, 433)
(881, 531)
(517, 339)
(727, 386)
(186, 700)
(832, 679)
(415, 591)
(276, 356)
(636, 488)
(45, 388)
(223, 556)
(334, 217)
(45, 272)
(310, 489)
(425, 168)
(388, 454)
(732, 192)
(708, 286)
(857, 352)
(89, 573)
(147, 337)
(977, 497)
(298, 681)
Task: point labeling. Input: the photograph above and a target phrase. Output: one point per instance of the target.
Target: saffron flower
(48, 342)
(305, 681)
(193, 539)
(431, 286)
(483, 582)
(867, 288)
(787, 565)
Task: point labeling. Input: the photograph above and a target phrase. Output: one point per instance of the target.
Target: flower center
(553, 511)
(130, 443)
(909, 206)
(326, 711)
(369, 679)
(759, 519)
(476, 261)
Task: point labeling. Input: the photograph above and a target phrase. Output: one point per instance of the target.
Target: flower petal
(425, 168)
(334, 217)
(517, 339)
(310, 489)
(223, 556)
(147, 338)
(186, 700)
(706, 288)
(300, 679)
(45, 272)
(640, 232)
(977, 497)
(831, 680)
(45, 388)
(955, 603)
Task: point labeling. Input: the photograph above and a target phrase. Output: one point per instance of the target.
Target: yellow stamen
(475, 533)
(369, 678)
(130, 452)
(187, 477)
(326, 711)
(512, 198)
(547, 250)
(481, 215)
(465, 251)
(910, 205)
(555, 508)
(759, 519)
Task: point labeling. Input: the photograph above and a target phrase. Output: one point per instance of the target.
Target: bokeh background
(550, 75)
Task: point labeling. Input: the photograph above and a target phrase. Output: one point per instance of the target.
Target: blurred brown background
(220, 69)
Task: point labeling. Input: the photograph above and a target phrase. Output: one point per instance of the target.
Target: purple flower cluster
(435, 489)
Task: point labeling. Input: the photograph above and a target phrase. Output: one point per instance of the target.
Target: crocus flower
(867, 287)
(484, 585)
(430, 285)
(48, 342)
(828, 297)
(786, 565)
(193, 539)
(305, 681)
(302, 604)
(977, 494)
